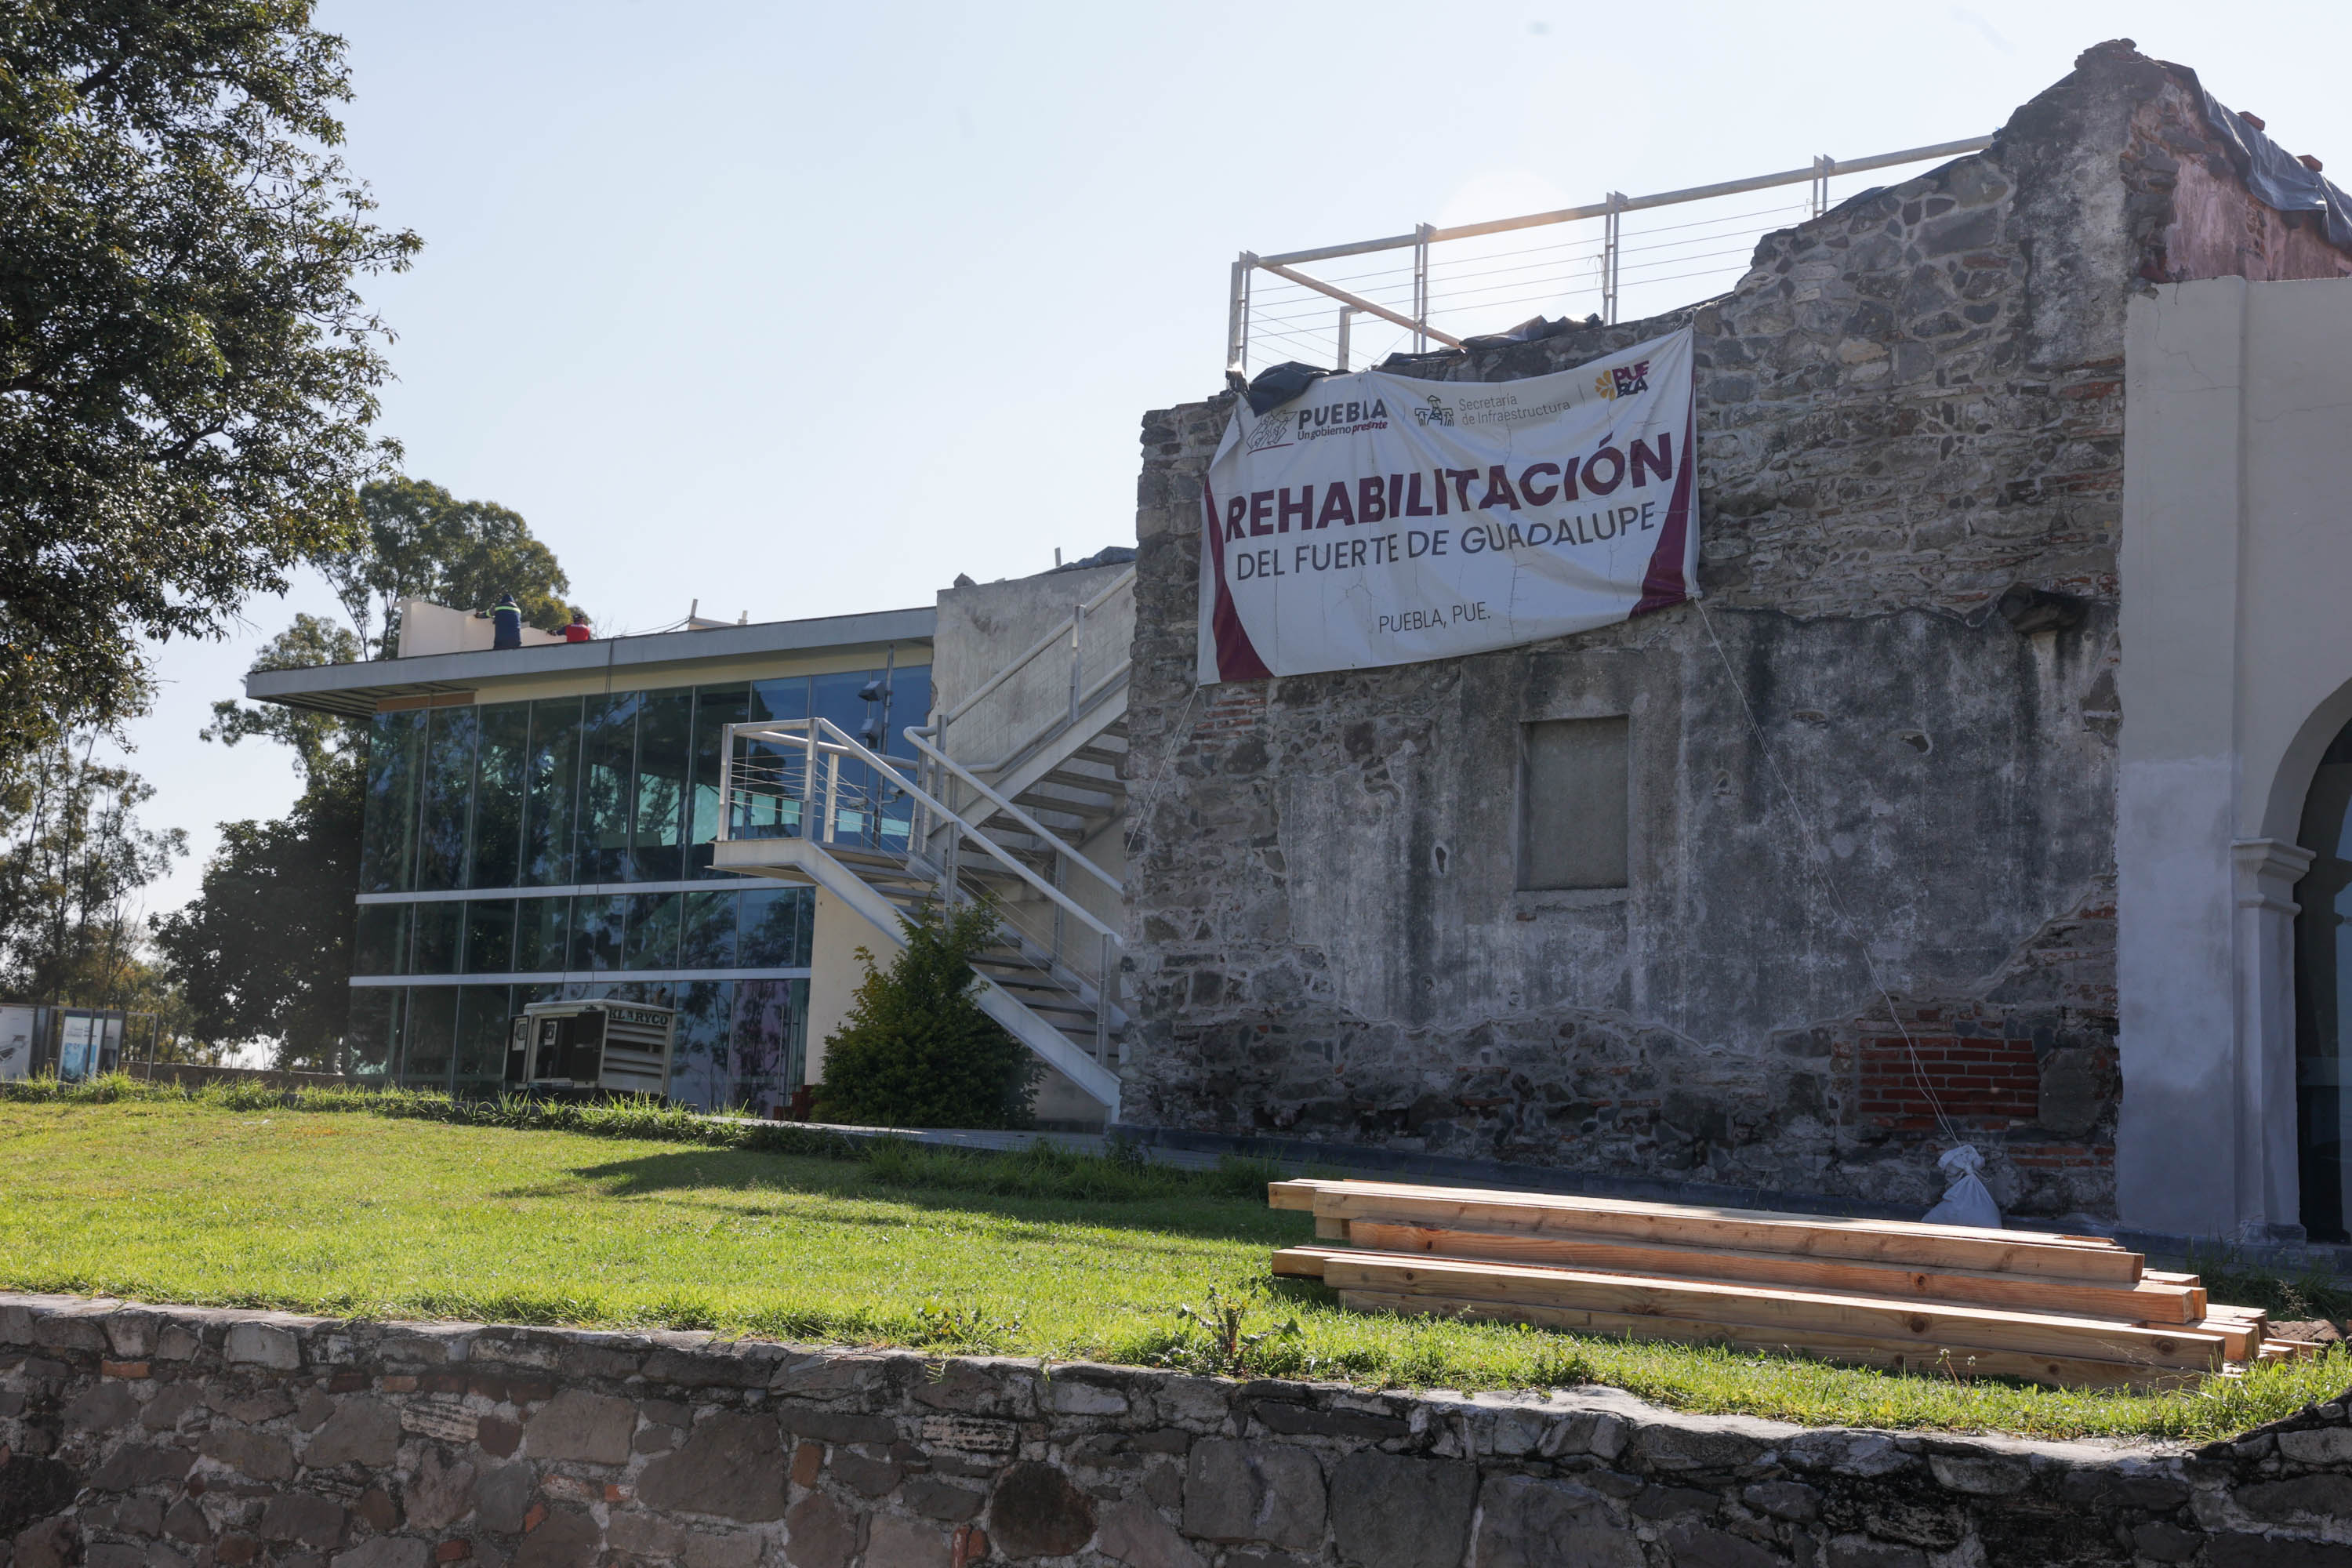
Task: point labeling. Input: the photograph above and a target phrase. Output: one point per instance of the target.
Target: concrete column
(2267, 872)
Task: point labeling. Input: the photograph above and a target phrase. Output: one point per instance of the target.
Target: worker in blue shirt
(506, 623)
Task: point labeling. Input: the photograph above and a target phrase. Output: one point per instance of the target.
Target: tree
(264, 951)
(186, 370)
(73, 859)
(915, 1050)
(422, 543)
(318, 740)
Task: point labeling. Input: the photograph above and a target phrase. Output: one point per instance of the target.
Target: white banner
(1382, 520)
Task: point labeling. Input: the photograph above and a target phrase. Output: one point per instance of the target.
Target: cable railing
(807, 778)
(1427, 297)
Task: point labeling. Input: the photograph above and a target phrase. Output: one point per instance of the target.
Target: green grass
(396, 1205)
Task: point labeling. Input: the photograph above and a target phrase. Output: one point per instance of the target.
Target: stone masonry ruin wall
(175, 1437)
(1908, 407)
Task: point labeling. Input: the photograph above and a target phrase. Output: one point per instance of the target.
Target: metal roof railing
(1295, 322)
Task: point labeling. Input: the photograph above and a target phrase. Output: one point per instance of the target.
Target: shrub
(915, 1050)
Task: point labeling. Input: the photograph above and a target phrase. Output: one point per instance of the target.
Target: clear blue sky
(800, 310)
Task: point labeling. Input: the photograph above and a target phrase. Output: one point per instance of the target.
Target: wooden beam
(2141, 1302)
(2090, 1259)
(1792, 1312)
(2064, 1372)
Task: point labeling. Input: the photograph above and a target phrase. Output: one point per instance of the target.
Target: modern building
(539, 824)
(612, 819)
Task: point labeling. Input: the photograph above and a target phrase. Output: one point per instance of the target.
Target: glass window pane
(706, 935)
(773, 701)
(596, 924)
(652, 938)
(910, 703)
(543, 936)
(552, 775)
(380, 942)
(769, 1039)
(374, 1011)
(715, 708)
(499, 779)
(608, 746)
(663, 757)
(700, 1072)
(439, 928)
(490, 936)
(482, 1013)
(388, 837)
(448, 798)
(429, 1037)
(777, 925)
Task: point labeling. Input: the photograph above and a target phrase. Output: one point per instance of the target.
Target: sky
(798, 309)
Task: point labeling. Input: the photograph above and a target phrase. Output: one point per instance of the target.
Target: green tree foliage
(422, 543)
(263, 952)
(915, 1050)
(318, 740)
(72, 863)
(186, 368)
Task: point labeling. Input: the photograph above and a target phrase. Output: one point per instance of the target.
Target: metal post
(1105, 990)
(1061, 870)
(1609, 249)
(726, 782)
(1823, 167)
(1237, 314)
(1347, 314)
(808, 788)
(1077, 638)
(832, 787)
(1420, 286)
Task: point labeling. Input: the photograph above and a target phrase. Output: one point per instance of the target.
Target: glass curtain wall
(603, 789)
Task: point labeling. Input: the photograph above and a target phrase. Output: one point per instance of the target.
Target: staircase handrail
(842, 744)
(1055, 725)
(1078, 615)
(919, 738)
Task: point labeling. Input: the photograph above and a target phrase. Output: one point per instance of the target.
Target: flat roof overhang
(358, 690)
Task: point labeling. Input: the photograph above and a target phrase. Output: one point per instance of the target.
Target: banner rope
(1816, 859)
(1176, 738)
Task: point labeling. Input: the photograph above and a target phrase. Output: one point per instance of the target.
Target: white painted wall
(2237, 671)
(835, 972)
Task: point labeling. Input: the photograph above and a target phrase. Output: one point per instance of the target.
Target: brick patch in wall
(1900, 1083)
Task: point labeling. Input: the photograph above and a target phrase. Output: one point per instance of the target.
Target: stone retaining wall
(173, 1438)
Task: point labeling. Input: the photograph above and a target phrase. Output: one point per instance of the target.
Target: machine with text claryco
(591, 1048)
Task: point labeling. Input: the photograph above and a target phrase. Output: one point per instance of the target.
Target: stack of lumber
(2072, 1311)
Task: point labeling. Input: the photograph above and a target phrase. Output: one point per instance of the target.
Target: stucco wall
(2239, 461)
(1906, 407)
(170, 1438)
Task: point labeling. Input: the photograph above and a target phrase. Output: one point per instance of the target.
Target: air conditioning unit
(593, 1047)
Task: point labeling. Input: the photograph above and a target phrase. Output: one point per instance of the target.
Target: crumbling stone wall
(141, 1437)
(1875, 770)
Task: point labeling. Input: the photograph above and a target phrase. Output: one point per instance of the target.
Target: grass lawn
(374, 1208)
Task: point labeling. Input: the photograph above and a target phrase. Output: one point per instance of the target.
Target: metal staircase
(1001, 792)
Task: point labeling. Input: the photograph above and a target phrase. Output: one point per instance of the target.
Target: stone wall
(1910, 408)
(146, 1438)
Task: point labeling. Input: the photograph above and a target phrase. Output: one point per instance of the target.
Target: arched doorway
(2323, 997)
